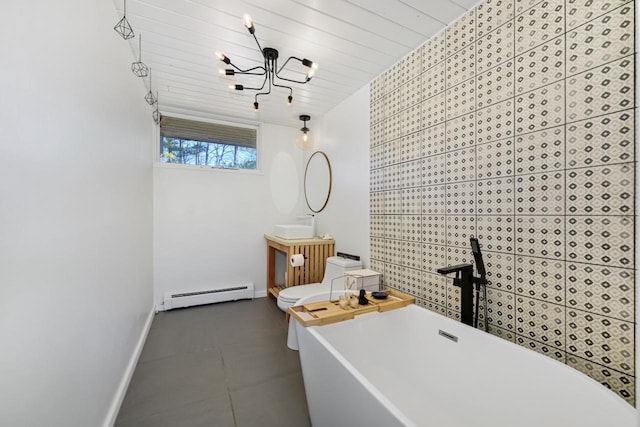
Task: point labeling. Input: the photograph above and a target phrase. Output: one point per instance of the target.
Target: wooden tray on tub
(327, 312)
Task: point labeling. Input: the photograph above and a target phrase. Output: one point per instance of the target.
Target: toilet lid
(294, 293)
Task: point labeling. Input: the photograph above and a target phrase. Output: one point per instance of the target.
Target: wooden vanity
(316, 252)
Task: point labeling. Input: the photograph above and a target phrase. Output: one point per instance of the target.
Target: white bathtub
(394, 369)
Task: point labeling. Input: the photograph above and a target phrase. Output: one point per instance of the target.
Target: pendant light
(123, 27)
(304, 141)
(150, 98)
(139, 68)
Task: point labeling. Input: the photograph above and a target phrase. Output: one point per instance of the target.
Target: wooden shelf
(327, 312)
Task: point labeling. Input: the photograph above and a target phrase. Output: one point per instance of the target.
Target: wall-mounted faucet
(465, 280)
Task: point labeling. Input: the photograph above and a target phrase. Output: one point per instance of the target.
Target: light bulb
(247, 21)
(305, 137)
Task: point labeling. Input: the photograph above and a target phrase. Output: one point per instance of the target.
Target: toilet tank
(338, 266)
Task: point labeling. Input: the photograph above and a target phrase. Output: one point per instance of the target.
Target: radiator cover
(181, 299)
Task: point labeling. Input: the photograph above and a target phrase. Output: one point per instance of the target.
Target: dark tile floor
(224, 364)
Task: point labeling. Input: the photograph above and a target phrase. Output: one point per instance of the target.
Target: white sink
(294, 231)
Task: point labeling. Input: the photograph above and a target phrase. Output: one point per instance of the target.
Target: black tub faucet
(464, 280)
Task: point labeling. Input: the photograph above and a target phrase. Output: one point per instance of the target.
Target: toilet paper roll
(297, 260)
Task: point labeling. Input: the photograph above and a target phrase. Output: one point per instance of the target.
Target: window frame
(256, 126)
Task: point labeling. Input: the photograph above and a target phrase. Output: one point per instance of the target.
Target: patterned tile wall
(516, 125)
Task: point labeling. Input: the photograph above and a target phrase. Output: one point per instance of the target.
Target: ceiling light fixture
(305, 138)
(270, 70)
(123, 27)
(139, 68)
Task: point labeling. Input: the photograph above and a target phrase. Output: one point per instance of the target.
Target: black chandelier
(270, 70)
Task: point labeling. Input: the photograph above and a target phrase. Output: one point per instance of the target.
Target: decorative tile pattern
(433, 257)
(433, 169)
(411, 228)
(433, 51)
(540, 278)
(541, 236)
(496, 233)
(540, 194)
(491, 14)
(436, 292)
(412, 200)
(541, 108)
(460, 229)
(434, 140)
(495, 122)
(609, 139)
(601, 190)
(606, 240)
(600, 339)
(461, 66)
(541, 23)
(495, 85)
(393, 202)
(461, 165)
(515, 125)
(581, 11)
(500, 269)
(461, 99)
(461, 33)
(495, 159)
(412, 174)
(495, 196)
(501, 308)
(495, 48)
(547, 350)
(433, 111)
(600, 289)
(622, 384)
(541, 151)
(393, 226)
(433, 229)
(376, 226)
(541, 321)
(586, 49)
(460, 198)
(412, 255)
(411, 146)
(433, 199)
(540, 66)
(461, 132)
(601, 90)
(433, 81)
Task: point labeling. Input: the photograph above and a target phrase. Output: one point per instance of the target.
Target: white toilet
(335, 267)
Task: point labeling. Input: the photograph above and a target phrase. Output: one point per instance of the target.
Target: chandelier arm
(240, 70)
(261, 87)
(258, 43)
(247, 73)
(293, 81)
(286, 62)
(283, 86)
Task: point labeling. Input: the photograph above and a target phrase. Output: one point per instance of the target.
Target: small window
(193, 142)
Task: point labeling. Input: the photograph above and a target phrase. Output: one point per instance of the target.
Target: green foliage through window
(208, 144)
(207, 153)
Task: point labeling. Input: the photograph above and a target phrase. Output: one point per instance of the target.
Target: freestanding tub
(397, 369)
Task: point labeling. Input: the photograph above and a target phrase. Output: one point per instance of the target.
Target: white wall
(75, 212)
(343, 134)
(209, 225)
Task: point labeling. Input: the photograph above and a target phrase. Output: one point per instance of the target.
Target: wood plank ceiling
(352, 41)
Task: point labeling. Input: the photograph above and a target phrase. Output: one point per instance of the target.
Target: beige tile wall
(516, 125)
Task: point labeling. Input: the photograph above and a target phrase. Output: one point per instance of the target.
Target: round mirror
(317, 181)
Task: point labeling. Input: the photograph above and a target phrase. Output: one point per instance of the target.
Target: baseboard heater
(177, 299)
